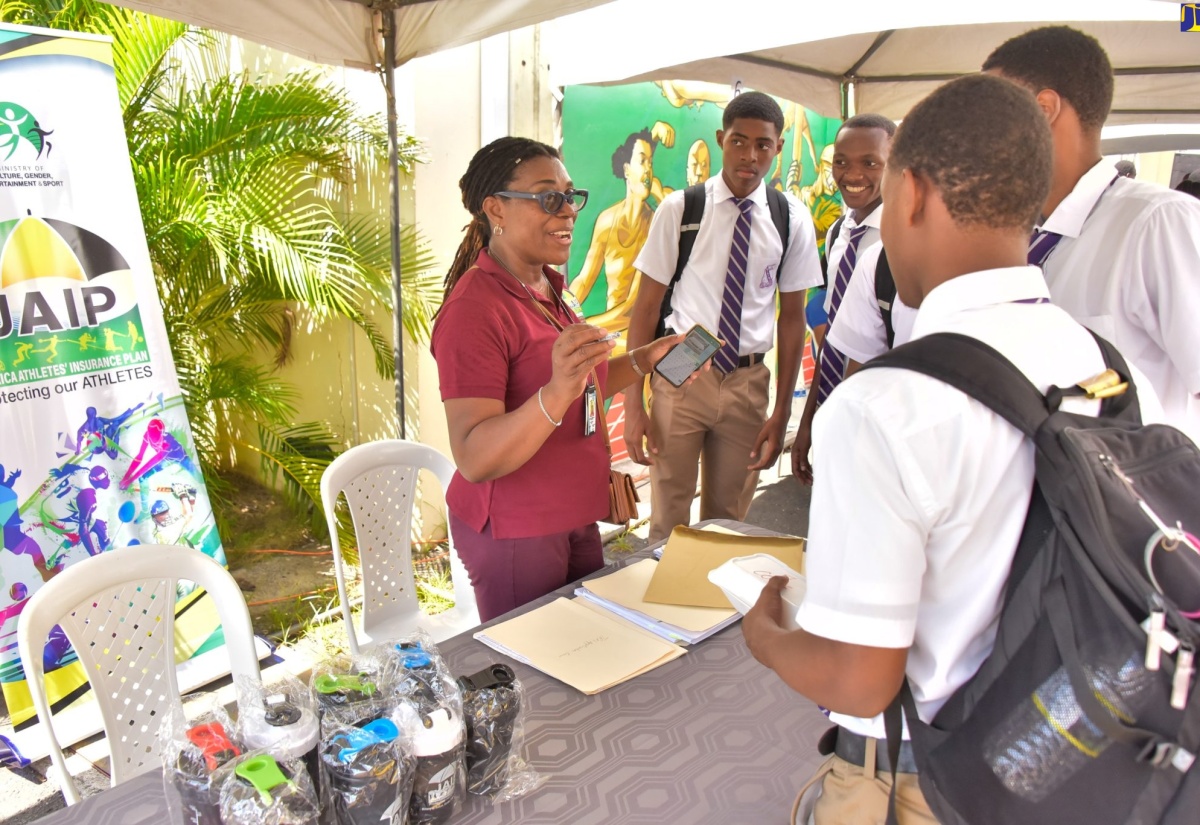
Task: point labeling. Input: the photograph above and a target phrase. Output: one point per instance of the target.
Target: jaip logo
(1189, 17)
(21, 136)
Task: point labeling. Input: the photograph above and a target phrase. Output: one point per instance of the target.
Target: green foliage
(242, 183)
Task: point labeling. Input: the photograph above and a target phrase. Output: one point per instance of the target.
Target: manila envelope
(682, 574)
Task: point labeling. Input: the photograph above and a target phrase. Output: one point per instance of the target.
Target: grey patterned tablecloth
(712, 737)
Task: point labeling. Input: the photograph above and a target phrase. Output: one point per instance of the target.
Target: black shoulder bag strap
(777, 202)
(885, 295)
(832, 235)
(689, 228)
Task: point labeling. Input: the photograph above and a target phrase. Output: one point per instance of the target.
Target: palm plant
(238, 181)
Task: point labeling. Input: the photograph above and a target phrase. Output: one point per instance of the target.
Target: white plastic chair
(379, 481)
(118, 611)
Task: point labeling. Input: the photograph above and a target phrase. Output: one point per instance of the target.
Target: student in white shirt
(719, 424)
(860, 150)
(920, 497)
(859, 332)
(1128, 262)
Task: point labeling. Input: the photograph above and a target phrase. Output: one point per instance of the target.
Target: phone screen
(688, 355)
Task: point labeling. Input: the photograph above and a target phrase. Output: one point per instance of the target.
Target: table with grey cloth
(711, 737)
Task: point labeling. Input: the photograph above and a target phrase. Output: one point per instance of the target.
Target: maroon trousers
(507, 573)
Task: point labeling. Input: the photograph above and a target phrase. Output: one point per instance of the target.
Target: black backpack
(1067, 720)
(689, 227)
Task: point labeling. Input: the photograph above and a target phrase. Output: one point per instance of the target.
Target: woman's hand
(649, 355)
(580, 348)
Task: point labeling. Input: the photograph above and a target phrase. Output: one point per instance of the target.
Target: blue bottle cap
(413, 655)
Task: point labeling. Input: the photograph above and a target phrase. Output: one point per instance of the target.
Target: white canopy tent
(877, 55)
(366, 34)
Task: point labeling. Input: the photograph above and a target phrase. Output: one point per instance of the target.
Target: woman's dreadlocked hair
(490, 171)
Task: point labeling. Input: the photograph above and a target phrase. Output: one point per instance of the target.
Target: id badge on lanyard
(590, 403)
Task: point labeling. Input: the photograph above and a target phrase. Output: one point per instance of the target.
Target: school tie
(833, 363)
(1041, 244)
(730, 326)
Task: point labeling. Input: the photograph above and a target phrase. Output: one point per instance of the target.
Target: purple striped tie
(833, 363)
(1041, 245)
(730, 326)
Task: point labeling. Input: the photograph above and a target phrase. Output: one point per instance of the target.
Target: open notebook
(582, 645)
(624, 591)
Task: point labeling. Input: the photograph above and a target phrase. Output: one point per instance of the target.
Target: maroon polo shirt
(490, 341)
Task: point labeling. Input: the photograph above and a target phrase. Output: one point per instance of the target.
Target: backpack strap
(885, 295)
(969, 365)
(832, 235)
(777, 202)
(689, 228)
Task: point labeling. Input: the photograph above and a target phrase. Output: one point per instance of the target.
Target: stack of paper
(584, 647)
(624, 591)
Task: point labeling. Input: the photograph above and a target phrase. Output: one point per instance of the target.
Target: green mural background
(596, 120)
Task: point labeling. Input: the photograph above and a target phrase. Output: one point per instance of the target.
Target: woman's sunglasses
(552, 201)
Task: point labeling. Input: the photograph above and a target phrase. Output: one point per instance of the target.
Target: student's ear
(1051, 104)
(908, 198)
(721, 138)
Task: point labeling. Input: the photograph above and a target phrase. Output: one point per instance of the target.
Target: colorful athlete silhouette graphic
(158, 448)
(15, 540)
(101, 435)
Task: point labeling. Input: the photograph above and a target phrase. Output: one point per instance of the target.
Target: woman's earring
(499, 230)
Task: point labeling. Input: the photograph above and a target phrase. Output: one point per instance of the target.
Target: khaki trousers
(710, 424)
(852, 795)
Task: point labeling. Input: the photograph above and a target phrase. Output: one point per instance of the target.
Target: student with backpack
(921, 497)
(860, 150)
(1121, 255)
(749, 245)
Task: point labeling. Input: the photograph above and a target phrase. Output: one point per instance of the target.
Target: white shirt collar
(721, 193)
(977, 290)
(1068, 217)
(872, 220)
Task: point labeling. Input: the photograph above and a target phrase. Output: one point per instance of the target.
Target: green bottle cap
(332, 683)
(263, 773)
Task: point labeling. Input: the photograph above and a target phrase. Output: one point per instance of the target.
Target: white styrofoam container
(742, 580)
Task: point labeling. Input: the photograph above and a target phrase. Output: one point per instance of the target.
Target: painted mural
(633, 145)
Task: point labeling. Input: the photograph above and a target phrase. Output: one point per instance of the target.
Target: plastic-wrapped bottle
(439, 786)
(285, 729)
(370, 781)
(491, 706)
(419, 679)
(210, 748)
(260, 792)
(1046, 739)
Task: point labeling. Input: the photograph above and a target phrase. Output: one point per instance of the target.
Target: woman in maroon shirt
(516, 366)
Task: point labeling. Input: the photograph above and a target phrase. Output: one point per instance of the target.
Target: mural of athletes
(96, 452)
(633, 145)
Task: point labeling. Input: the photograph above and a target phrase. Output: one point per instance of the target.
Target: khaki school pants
(710, 424)
(852, 795)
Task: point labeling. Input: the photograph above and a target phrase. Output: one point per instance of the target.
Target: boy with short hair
(860, 150)
(920, 496)
(1121, 255)
(729, 286)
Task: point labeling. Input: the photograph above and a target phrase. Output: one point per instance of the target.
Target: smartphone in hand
(688, 355)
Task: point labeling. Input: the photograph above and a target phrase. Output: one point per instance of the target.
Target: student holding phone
(729, 285)
(523, 382)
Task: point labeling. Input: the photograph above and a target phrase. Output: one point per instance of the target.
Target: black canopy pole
(389, 82)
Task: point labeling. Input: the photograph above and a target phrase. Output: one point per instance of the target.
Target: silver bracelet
(545, 412)
(636, 369)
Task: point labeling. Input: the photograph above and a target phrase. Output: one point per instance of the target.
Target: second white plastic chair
(379, 481)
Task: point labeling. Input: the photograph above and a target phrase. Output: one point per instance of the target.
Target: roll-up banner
(95, 449)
